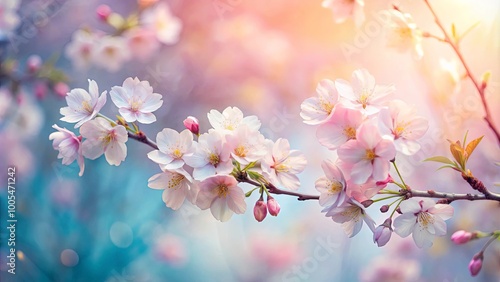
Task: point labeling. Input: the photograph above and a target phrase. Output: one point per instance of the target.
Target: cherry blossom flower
(422, 218)
(281, 164)
(81, 49)
(260, 210)
(351, 214)
(9, 18)
(111, 52)
(175, 184)
(142, 43)
(401, 121)
(211, 156)
(332, 186)
(165, 25)
(231, 119)
(174, 147)
(341, 128)
(391, 268)
(318, 110)
(82, 105)
(69, 147)
(104, 138)
(222, 195)
(383, 233)
(365, 191)
(369, 154)
(246, 145)
(136, 101)
(402, 33)
(344, 9)
(362, 93)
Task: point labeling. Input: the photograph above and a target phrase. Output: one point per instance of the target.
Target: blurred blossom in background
(264, 57)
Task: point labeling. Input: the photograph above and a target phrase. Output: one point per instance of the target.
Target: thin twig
(479, 86)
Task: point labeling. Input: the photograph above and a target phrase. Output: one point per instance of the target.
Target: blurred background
(264, 57)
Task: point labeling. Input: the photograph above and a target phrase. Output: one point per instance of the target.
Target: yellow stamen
(241, 151)
(424, 218)
(175, 181)
(350, 133)
(370, 155)
(335, 187)
(222, 190)
(177, 153)
(87, 107)
(213, 159)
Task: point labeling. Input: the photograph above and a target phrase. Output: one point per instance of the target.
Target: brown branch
(141, 137)
(481, 87)
(243, 177)
(448, 197)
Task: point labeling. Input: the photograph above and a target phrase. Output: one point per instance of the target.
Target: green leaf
(469, 30)
(440, 159)
(472, 146)
(254, 175)
(446, 166)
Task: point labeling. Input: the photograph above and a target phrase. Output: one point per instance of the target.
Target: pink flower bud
(476, 263)
(260, 210)
(273, 206)
(34, 63)
(192, 124)
(103, 12)
(61, 89)
(383, 233)
(384, 183)
(40, 90)
(461, 237)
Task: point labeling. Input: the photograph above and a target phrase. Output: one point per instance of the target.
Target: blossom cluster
(205, 172)
(98, 134)
(139, 36)
(358, 120)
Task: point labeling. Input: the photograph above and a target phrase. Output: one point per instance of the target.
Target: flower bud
(260, 210)
(34, 63)
(461, 237)
(476, 263)
(383, 233)
(40, 90)
(273, 206)
(61, 89)
(367, 203)
(192, 124)
(384, 208)
(103, 12)
(143, 4)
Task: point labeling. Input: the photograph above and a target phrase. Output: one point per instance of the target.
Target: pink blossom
(332, 186)
(160, 20)
(344, 9)
(319, 109)
(231, 119)
(111, 52)
(222, 195)
(246, 145)
(369, 154)
(61, 89)
(403, 34)
(136, 101)
(365, 191)
(82, 105)
(351, 214)
(103, 12)
(341, 128)
(142, 43)
(281, 164)
(391, 268)
(424, 219)
(104, 138)
(362, 93)
(402, 123)
(211, 156)
(175, 185)
(81, 49)
(69, 147)
(34, 63)
(173, 148)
